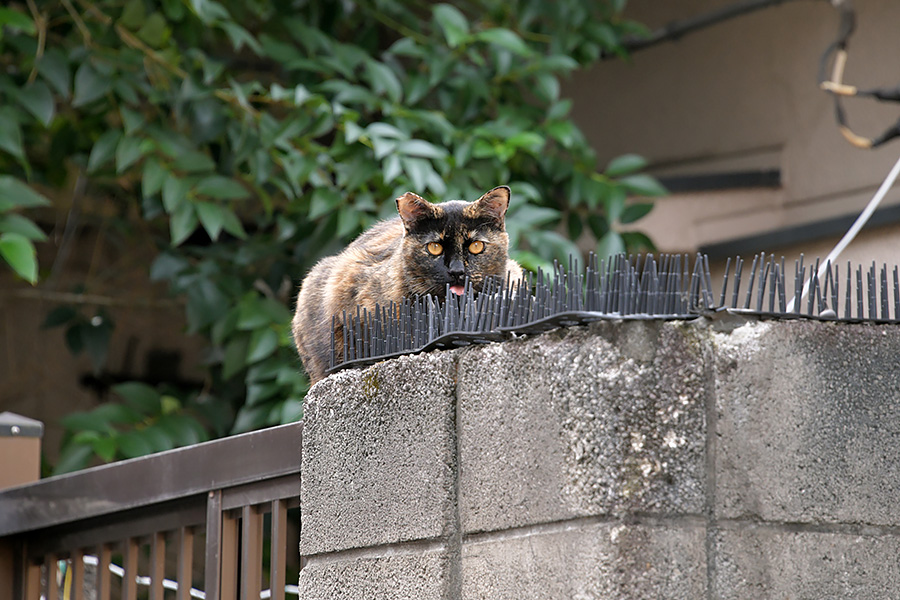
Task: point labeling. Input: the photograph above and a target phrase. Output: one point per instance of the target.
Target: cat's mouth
(457, 289)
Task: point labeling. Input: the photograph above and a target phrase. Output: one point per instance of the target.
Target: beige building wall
(741, 96)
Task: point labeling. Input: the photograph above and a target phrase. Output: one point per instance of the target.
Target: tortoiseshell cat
(427, 247)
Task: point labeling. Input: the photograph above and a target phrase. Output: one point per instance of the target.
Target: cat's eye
(435, 248)
(476, 247)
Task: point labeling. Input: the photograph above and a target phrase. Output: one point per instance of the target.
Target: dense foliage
(251, 138)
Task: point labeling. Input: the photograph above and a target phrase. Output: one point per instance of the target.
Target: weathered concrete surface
(378, 455)
(620, 460)
(583, 421)
(760, 562)
(588, 561)
(421, 576)
(809, 422)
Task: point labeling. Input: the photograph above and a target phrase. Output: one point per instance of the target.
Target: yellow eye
(435, 249)
(476, 247)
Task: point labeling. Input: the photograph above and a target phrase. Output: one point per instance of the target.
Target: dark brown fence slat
(278, 550)
(229, 545)
(185, 563)
(77, 565)
(51, 562)
(103, 575)
(129, 581)
(251, 552)
(32, 581)
(213, 559)
(157, 565)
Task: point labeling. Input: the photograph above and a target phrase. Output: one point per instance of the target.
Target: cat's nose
(456, 269)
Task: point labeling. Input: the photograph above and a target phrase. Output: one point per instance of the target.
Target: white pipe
(861, 220)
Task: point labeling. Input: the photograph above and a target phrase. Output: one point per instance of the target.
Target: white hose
(861, 220)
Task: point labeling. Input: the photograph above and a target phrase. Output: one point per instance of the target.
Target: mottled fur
(391, 261)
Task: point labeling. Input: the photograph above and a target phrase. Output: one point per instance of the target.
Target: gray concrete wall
(620, 460)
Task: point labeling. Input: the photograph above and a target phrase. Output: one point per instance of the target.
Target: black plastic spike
(621, 287)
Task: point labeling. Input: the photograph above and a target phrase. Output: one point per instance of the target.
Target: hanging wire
(861, 220)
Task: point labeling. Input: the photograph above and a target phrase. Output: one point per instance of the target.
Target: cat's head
(445, 243)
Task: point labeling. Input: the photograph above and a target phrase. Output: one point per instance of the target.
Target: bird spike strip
(629, 287)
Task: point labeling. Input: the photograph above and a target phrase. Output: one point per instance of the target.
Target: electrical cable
(860, 222)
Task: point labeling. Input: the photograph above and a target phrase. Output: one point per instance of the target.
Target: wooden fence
(209, 521)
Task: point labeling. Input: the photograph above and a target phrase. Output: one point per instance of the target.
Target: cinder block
(808, 422)
(423, 576)
(759, 562)
(587, 562)
(583, 421)
(378, 454)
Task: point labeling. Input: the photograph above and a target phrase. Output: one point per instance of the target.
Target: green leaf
(263, 343)
(453, 23)
(233, 225)
(610, 244)
(14, 193)
(182, 430)
(19, 253)
(95, 336)
(131, 120)
(54, 68)
(212, 218)
(133, 444)
(153, 177)
(154, 31)
(174, 192)
(625, 164)
(615, 204)
(422, 149)
(250, 418)
(291, 411)
(506, 39)
(598, 224)
(259, 392)
(235, 357)
(635, 212)
(89, 85)
(133, 14)
(547, 88)
(384, 81)
(11, 136)
(194, 162)
(128, 151)
(73, 457)
(643, 185)
(16, 20)
(255, 312)
(104, 149)
(182, 223)
(13, 223)
(140, 396)
(223, 188)
(240, 37)
(37, 99)
(635, 241)
(59, 316)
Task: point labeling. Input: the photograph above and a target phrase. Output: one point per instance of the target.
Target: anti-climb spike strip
(620, 287)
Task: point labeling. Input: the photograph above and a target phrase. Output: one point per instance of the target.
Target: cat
(425, 248)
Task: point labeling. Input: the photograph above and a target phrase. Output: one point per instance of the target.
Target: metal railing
(194, 520)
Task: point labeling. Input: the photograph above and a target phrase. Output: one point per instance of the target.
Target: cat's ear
(413, 208)
(494, 204)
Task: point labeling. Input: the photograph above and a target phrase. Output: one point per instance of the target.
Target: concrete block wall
(637, 459)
